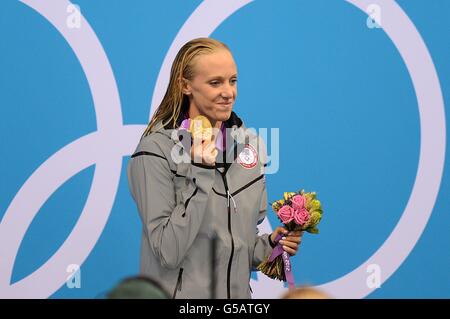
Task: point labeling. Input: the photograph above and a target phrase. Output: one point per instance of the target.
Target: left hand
(290, 241)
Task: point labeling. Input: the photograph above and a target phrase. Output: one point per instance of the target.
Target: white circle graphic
(112, 140)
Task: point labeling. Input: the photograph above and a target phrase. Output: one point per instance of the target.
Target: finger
(205, 141)
(209, 144)
(196, 152)
(289, 244)
(208, 137)
(197, 140)
(210, 149)
(289, 250)
(281, 230)
(294, 239)
(296, 233)
(201, 137)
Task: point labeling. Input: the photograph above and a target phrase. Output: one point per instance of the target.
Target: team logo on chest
(248, 157)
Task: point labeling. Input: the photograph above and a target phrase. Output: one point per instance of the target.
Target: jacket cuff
(271, 242)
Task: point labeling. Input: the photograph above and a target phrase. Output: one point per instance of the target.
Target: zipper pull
(229, 196)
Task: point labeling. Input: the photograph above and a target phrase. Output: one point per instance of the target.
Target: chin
(219, 115)
(223, 116)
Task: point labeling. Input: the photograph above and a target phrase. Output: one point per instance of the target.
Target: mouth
(225, 104)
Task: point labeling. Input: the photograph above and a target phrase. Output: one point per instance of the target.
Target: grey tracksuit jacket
(183, 206)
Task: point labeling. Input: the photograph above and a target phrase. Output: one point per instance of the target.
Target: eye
(233, 81)
(214, 83)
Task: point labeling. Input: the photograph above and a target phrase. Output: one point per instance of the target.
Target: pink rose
(301, 216)
(298, 202)
(286, 213)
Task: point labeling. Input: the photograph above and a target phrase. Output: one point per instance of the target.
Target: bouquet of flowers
(298, 211)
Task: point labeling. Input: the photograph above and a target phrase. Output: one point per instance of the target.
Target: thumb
(282, 230)
(279, 230)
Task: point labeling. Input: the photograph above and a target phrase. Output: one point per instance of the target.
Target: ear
(185, 86)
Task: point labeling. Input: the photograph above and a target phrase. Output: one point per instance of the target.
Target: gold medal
(201, 128)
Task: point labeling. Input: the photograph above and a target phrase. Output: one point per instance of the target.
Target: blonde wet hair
(175, 101)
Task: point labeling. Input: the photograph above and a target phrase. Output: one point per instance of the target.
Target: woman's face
(213, 89)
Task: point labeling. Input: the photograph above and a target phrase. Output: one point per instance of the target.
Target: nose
(227, 92)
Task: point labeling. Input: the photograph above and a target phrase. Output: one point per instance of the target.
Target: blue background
(339, 91)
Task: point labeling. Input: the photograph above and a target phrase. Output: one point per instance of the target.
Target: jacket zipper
(240, 189)
(179, 283)
(224, 178)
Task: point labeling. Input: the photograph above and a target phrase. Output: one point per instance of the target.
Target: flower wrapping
(298, 211)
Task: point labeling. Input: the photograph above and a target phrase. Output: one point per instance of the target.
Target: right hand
(290, 240)
(204, 151)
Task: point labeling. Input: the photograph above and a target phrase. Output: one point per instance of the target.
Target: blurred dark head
(306, 292)
(138, 287)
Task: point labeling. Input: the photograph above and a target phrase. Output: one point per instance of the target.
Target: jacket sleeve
(262, 246)
(171, 224)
